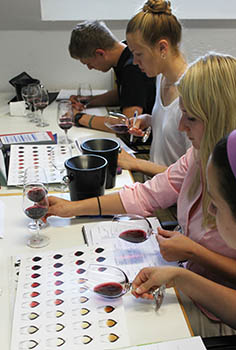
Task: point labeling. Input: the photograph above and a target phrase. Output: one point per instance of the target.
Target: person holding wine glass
(64, 119)
(94, 45)
(35, 203)
(208, 103)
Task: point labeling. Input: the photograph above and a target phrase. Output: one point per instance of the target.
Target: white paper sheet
(194, 343)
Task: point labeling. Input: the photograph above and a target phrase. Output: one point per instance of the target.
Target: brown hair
(89, 36)
(155, 21)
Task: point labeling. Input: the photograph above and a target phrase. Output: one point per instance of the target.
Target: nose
(89, 67)
(183, 124)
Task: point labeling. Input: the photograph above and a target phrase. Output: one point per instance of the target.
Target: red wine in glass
(36, 211)
(65, 122)
(134, 236)
(36, 194)
(119, 128)
(109, 289)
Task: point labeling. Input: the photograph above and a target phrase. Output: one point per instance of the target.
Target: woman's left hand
(174, 245)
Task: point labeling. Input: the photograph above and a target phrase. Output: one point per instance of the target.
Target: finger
(164, 233)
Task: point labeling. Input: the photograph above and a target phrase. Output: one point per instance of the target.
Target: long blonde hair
(155, 21)
(208, 90)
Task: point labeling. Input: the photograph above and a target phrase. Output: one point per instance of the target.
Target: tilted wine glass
(112, 282)
(35, 202)
(65, 119)
(131, 228)
(120, 124)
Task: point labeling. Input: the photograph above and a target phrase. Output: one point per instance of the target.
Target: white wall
(44, 55)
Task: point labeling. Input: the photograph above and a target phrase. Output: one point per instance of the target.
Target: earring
(163, 56)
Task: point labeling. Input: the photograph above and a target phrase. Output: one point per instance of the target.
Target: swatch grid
(55, 310)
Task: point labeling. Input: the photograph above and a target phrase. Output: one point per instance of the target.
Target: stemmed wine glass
(59, 154)
(131, 228)
(35, 203)
(65, 119)
(120, 123)
(41, 103)
(112, 282)
(30, 93)
(84, 94)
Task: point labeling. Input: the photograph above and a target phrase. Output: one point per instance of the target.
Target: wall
(40, 48)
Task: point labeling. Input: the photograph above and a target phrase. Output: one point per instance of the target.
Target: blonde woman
(208, 103)
(154, 36)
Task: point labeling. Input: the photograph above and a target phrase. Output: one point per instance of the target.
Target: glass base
(38, 241)
(62, 140)
(42, 124)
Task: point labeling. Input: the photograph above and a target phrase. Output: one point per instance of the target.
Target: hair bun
(158, 6)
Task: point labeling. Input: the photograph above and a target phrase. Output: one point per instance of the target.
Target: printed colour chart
(55, 310)
(23, 156)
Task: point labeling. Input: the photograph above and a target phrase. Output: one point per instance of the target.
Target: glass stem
(37, 234)
(66, 135)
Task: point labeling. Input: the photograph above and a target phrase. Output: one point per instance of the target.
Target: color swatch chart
(55, 309)
(24, 156)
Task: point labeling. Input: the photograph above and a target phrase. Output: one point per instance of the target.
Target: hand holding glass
(112, 282)
(121, 124)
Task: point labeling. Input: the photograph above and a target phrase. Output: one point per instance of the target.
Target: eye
(191, 119)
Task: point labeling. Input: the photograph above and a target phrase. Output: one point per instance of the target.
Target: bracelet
(99, 206)
(77, 117)
(90, 121)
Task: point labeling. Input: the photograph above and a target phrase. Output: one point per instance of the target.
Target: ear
(99, 52)
(163, 47)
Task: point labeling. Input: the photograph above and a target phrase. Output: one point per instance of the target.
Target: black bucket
(86, 176)
(107, 148)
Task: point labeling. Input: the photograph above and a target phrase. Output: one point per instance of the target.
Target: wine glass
(84, 94)
(41, 102)
(131, 228)
(117, 122)
(112, 282)
(59, 154)
(120, 123)
(35, 203)
(30, 93)
(65, 119)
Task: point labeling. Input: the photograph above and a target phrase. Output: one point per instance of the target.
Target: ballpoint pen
(134, 122)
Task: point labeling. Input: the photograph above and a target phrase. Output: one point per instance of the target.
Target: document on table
(65, 94)
(193, 343)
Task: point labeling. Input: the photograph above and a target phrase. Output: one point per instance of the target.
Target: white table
(144, 325)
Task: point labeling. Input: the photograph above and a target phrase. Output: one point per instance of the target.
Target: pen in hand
(134, 122)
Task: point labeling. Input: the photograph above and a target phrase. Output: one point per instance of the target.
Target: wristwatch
(77, 117)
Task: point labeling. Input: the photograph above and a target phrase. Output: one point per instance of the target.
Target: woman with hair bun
(154, 36)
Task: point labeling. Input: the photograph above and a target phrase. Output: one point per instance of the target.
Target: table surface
(144, 325)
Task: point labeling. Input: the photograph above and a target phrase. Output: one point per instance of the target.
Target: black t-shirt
(134, 87)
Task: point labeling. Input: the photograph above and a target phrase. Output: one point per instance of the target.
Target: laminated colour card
(56, 309)
(23, 156)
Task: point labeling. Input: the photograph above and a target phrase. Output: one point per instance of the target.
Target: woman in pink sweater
(208, 102)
